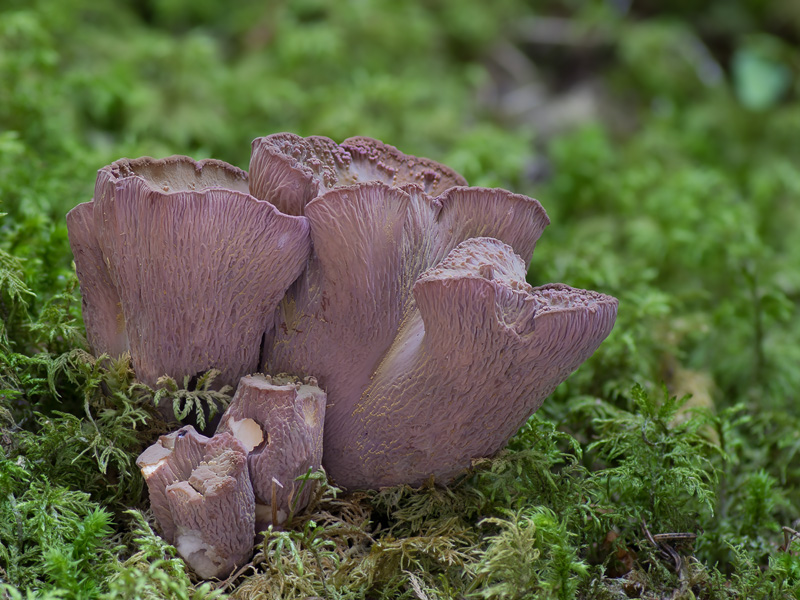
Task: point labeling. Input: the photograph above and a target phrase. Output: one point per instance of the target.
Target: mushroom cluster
(211, 496)
(397, 287)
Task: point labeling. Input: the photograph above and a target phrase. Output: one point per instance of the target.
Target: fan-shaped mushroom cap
(467, 370)
(371, 242)
(344, 319)
(202, 498)
(425, 347)
(280, 422)
(179, 260)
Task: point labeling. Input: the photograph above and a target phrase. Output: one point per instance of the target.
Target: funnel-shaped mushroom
(202, 498)
(279, 420)
(467, 370)
(356, 320)
(182, 266)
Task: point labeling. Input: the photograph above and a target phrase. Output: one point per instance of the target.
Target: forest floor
(661, 138)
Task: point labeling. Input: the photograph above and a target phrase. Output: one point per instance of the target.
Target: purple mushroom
(202, 498)
(464, 373)
(432, 353)
(181, 266)
(280, 422)
(411, 306)
(399, 288)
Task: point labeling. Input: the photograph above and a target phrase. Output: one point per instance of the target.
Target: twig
(663, 543)
(789, 535)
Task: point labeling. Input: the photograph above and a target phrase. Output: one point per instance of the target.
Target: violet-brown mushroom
(202, 498)
(467, 370)
(181, 266)
(433, 352)
(280, 422)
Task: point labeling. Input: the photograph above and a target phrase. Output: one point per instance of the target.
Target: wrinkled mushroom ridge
(290, 171)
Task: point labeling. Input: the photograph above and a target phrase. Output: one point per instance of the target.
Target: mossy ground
(662, 138)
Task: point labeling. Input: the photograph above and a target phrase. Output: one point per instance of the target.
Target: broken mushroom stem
(202, 498)
(280, 422)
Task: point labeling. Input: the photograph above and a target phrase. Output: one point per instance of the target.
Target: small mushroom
(179, 264)
(279, 420)
(202, 498)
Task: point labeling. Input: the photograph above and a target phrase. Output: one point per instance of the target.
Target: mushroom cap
(371, 242)
(290, 171)
(202, 498)
(466, 371)
(191, 266)
(359, 314)
(280, 421)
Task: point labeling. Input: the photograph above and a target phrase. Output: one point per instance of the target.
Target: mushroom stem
(202, 498)
(279, 420)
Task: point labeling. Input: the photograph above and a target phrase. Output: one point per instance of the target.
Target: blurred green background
(662, 137)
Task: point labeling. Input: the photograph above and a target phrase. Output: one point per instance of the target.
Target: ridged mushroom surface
(181, 266)
(202, 498)
(364, 315)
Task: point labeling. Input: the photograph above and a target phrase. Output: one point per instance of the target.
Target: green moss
(682, 202)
